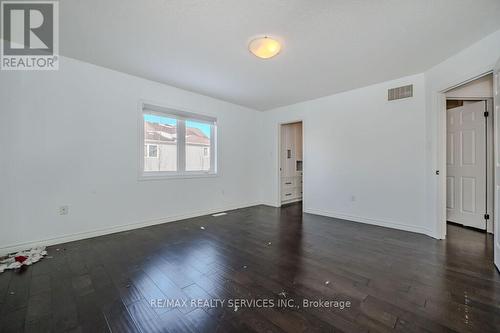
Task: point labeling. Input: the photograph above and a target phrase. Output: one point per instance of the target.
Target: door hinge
(486, 113)
(486, 216)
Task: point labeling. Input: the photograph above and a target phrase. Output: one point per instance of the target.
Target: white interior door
(496, 226)
(466, 165)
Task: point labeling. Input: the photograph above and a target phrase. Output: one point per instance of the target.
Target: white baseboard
(377, 222)
(271, 204)
(136, 225)
(114, 229)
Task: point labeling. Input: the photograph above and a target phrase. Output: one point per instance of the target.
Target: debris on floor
(327, 282)
(269, 243)
(21, 258)
(245, 266)
(282, 294)
(202, 228)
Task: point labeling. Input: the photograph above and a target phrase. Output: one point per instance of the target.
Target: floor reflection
(467, 251)
(290, 242)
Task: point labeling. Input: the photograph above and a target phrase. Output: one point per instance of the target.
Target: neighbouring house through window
(177, 143)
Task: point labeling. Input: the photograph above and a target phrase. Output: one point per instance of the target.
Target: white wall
(480, 88)
(475, 60)
(358, 144)
(69, 137)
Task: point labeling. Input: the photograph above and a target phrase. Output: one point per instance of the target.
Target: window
(177, 143)
(152, 151)
(160, 141)
(198, 139)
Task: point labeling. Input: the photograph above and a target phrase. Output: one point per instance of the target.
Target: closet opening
(291, 163)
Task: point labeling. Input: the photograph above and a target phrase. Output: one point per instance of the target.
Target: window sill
(160, 176)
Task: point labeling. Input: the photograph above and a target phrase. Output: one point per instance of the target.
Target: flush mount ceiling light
(264, 47)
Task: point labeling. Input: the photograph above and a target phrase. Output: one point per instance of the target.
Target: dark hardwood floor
(394, 280)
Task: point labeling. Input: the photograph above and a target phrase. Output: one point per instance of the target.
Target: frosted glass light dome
(264, 47)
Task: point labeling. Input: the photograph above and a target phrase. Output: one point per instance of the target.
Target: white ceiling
(329, 46)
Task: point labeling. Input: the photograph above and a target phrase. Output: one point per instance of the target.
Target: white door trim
(440, 103)
(496, 112)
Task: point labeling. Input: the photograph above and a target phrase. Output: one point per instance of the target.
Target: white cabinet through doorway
(291, 162)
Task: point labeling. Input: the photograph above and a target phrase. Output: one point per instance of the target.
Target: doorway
(291, 162)
(469, 155)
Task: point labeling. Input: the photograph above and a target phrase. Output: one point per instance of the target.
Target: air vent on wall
(400, 92)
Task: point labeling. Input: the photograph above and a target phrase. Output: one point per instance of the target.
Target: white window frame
(181, 116)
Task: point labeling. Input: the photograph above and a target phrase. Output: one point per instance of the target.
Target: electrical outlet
(63, 210)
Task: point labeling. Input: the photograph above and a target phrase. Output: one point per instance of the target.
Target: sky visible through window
(205, 128)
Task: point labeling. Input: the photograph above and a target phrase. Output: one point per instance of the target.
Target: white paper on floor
(32, 255)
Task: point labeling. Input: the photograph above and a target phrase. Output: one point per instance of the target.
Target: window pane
(160, 138)
(153, 151)
(197, 146)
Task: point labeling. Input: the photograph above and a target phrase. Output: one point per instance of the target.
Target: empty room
(250, 166)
